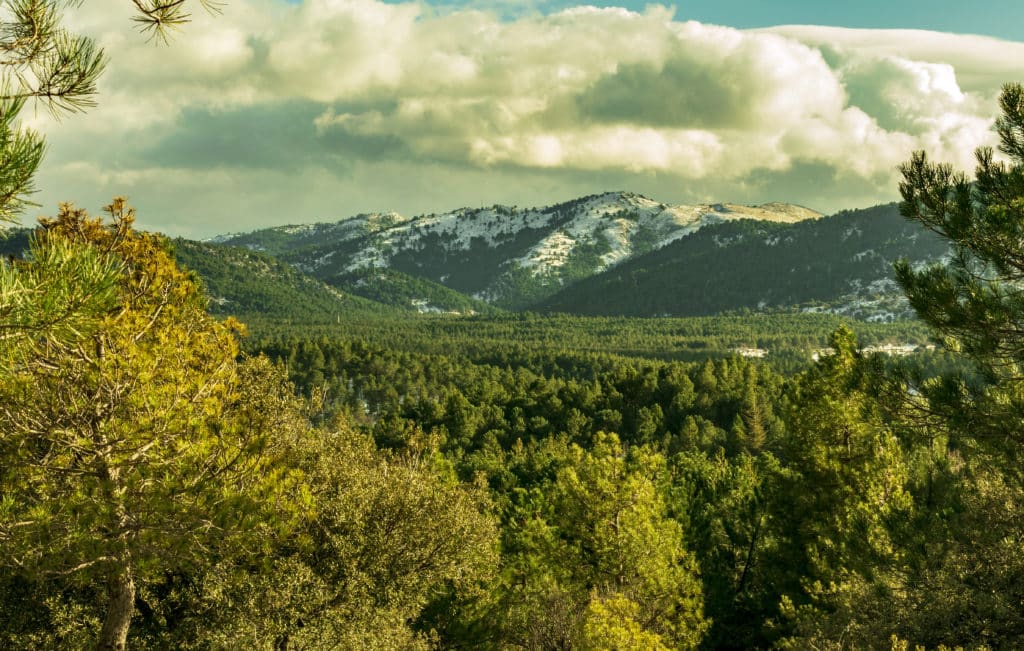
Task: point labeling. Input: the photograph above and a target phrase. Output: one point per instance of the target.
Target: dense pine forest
(300, 468)
(513, 481)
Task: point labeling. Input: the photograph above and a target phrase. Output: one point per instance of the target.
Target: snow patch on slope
(617, 218)
(607, 229)
(613, 220)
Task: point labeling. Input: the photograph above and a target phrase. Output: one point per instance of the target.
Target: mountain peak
(508, 255)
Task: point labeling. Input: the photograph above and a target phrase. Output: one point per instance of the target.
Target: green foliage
(59, 294)
(612, 623)
(536, 438)
(130, 450)
(729, 506)
(974, 302)
(848, 455)
(381, 536)
(609, 505)
(539, 341)
(22, 153)
(846, 484)
(591, 554)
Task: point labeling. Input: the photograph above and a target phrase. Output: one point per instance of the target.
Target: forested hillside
(410, 293)
(254, 286)
(843, 262)
(726, 260)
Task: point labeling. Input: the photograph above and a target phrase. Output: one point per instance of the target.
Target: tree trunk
(121, 606)
(750, 556)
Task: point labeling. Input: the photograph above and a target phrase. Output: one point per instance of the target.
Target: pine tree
(975, 302)
(131, 450)
(596, 553)
(42, 62)
(969, 574)
(846, 473)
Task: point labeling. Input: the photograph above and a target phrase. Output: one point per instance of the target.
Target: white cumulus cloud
(324, 95)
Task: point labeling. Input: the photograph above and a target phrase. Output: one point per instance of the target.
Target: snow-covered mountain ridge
(506, 255)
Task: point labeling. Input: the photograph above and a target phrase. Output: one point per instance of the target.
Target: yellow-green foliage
(131, 449)
(611, 623)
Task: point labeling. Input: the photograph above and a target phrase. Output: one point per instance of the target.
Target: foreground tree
(42, 63)
(956, 579)
(128, 451)
(976, 302)
(61, 296)
(383, 535)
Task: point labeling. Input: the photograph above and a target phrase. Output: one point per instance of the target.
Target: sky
(999, 18)
(283, 112)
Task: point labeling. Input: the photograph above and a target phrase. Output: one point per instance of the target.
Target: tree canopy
(127, 449)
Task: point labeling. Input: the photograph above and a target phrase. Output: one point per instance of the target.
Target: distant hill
(406, 292)
(615, 254)
(507, 256)
(251, 285)
(841, 264)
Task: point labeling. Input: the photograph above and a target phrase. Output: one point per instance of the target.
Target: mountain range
(616, 253)
(611, 254)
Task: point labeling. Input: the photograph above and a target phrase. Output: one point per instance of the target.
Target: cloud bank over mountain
(277, 112)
